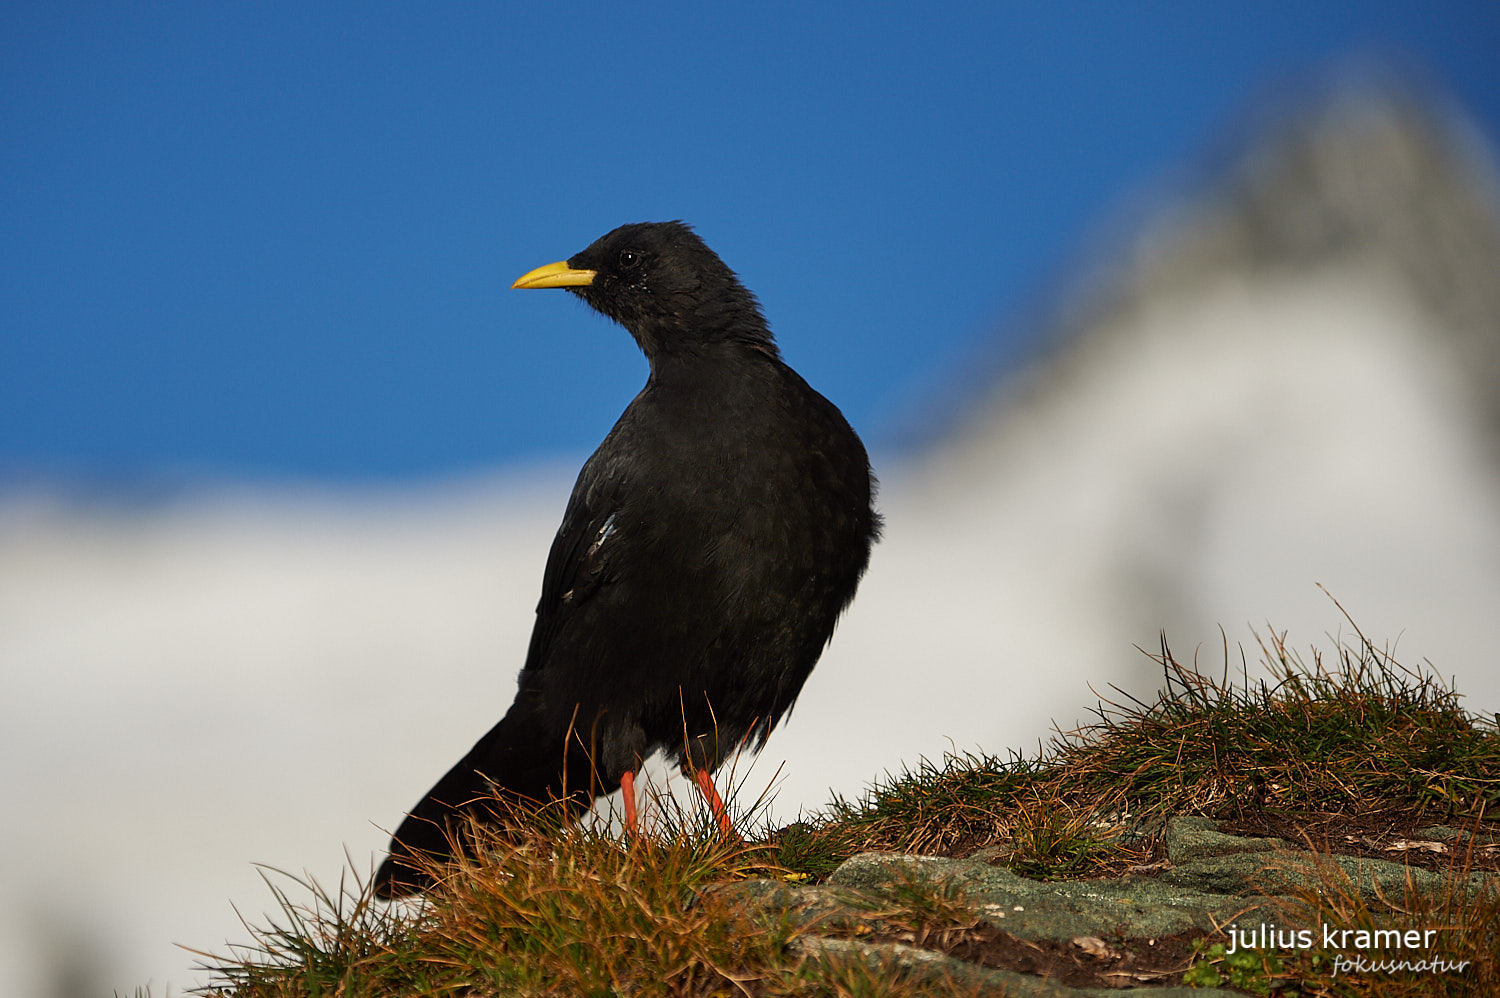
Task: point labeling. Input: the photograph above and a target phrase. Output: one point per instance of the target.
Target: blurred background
(1155, 318)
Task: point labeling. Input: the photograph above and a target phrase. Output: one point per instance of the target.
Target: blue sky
(271, 240)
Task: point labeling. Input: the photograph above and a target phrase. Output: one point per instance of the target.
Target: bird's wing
(578, 564)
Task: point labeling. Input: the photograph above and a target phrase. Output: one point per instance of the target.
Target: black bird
(709, 546)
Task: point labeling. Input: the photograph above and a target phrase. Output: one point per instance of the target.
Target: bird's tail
(515, 764)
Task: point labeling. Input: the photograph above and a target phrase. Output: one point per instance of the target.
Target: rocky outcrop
(989, 927)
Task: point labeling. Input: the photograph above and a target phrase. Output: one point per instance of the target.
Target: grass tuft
(1359, 731)
(337, 942)
(1356, 733)
(544, 909)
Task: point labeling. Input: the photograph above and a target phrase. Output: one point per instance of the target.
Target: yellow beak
(555, 275)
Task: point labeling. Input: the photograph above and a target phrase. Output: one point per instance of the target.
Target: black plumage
(708, 548)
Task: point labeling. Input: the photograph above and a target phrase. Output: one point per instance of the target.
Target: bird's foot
(627, 795)
(705, 783)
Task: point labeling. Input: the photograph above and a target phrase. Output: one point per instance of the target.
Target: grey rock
(1135, 907)
(1221, 880)
(1442, 833)
(1199, 838)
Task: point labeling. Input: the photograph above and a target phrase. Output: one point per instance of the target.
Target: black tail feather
(517, 762)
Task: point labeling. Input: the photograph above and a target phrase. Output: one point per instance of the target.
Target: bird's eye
(629, 258)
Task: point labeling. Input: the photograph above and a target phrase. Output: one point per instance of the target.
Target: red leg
(710, 793)
(627, 794)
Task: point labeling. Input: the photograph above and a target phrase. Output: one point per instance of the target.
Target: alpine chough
(708, 548)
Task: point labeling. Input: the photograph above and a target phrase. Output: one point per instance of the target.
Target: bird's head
(663, 284)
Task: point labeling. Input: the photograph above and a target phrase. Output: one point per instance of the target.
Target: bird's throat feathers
(705, 327)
